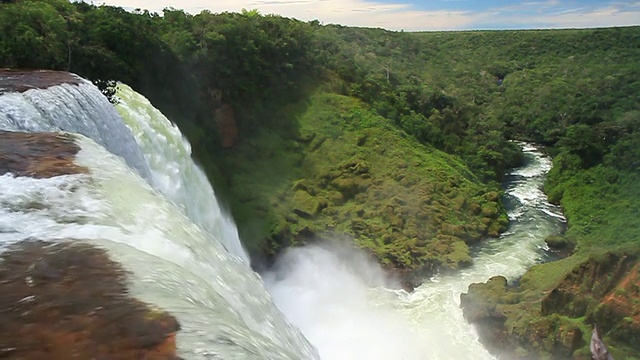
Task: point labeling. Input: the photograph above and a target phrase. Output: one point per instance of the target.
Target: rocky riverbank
(552, 310)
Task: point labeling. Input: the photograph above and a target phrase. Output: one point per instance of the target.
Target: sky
(422, 15)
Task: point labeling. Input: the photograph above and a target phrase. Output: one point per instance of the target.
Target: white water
(341, 302)
(173, 172)
(78, 109)
(223, 308)
(344, 306)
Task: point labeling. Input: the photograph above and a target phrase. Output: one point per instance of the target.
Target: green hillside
(395, 142)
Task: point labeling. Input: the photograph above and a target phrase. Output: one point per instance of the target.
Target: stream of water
(154, 210)
(343, 303)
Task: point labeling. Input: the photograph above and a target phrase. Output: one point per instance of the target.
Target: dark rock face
(226, 121)
(12, 80)
(69, 300)
(481, 306)
(38, 155)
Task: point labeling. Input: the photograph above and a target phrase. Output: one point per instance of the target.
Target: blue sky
(412, 15)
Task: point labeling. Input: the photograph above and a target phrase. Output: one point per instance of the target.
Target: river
(152, 208)
(344, 306)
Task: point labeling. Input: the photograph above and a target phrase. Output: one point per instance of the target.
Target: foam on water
(173, 171)
(348, 316)
(222, 306)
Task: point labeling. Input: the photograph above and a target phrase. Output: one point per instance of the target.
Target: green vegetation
(348, 171)
(396, 140)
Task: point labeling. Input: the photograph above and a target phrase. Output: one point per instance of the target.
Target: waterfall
(78, 109)
(175, 262)
(173, 172)
(147, 140)
(152, 208)
(348, 310)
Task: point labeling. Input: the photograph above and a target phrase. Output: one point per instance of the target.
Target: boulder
(304, 204)
(13, 80)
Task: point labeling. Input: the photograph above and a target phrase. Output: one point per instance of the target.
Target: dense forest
(337, 128)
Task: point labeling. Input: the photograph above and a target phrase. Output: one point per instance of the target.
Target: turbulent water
(176, 262)
(73, 108)
(154, 210)
(173, 172)
(343, 304)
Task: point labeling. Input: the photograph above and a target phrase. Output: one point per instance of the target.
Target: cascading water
(173, 172)
(348, 312)
(78, 109)
(172, 246)
(221, 304)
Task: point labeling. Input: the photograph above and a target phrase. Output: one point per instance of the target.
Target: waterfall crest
(173, 172)
(175, 263)
(73, 108)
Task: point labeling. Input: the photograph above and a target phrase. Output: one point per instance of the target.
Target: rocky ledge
(38, 155)
(552, 311)
(69, 300)
(12, 80)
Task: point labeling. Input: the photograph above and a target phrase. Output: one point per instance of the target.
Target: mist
(340, 300)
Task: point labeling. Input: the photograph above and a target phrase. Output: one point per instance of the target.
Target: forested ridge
(399, 140)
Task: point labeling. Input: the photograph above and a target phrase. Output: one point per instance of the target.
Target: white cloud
(582, 18)
(404, 16)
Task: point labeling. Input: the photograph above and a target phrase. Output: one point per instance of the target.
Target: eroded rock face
(226, 121)
(69, 300)
(534, 321)
(12, 80)
(225, 118)
(38, 155)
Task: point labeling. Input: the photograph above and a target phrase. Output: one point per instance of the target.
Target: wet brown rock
(39, 155)
(226, 121)
(225, 118)
(69, 300)
(12, 80)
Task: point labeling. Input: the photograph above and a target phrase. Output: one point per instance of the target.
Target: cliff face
(552, 311)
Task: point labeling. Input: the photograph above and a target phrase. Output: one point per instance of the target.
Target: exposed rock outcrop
(12, 80)
(226, 121)
(546, 318)
(39, 155)
(225, 118)
(69, 300)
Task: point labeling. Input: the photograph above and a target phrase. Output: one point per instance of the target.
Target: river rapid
(152, 208)
(346, 307)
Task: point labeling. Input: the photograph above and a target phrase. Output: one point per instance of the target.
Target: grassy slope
(334, 168)
(549, 73)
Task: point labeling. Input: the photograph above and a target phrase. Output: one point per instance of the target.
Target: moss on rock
(304, 204)
(552, 311)
(415, 208)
